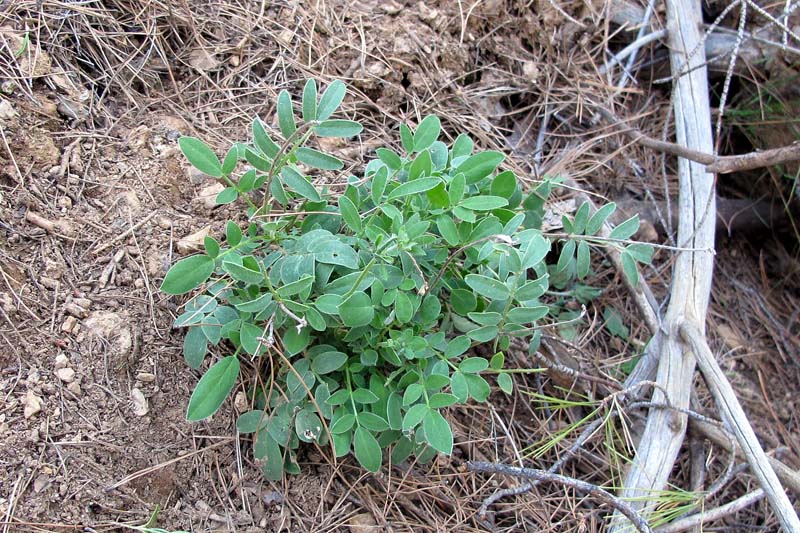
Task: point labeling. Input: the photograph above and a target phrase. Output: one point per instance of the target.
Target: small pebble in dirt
(62, 361)
(32, 404)
(363, 523)
(66, 375)
(146, 377)
(207, 197)
(75, 388)
(140, 404)
(240, 402)
(70, 325)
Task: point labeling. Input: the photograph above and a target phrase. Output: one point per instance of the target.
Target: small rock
(64, 202)
(76, 310)
(363, 523)
(207, 196)
(62, 361)
(140, 404)
(146, 377)
(164, 222)
(41, 482)
(66, 375)
(195, 176)
(70, 325)
(531, 71)
(240, 402)
(32, 404)
(193, 242)
(75, 388)
(7, 111)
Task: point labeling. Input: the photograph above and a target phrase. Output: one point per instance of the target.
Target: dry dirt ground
(96, 202)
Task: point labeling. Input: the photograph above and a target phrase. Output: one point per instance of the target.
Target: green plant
(364, 298)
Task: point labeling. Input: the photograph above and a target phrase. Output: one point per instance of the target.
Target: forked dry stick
(581, 486)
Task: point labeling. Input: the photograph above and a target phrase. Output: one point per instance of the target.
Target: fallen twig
(732, 412)
(718, 164)
(582, 486)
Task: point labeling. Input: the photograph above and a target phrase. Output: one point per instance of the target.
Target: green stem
(284, 152)
(360, 278)
(246, 198)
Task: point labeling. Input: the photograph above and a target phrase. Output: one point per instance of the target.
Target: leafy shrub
(366, 297)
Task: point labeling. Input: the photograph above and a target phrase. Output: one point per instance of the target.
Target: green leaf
(200, 156)
(248, 335)
(567, 253)
(581, 218)
(345, 423)
(427, 133)
(457, 346)
(211, 245)
(328, 362)
(421, 166)
(335, 252)
(473, 365)
(256, 305)
(317, 159)
(251, 421)
(438, 432)
(286, 114)
(643, 253)
(233, 233)
(497, 361)
(367, 450)
(480, 165)
(247, 181)
(414, 416)
(195, 346)
(378, 185)
(537, 250)
(455, 191)
(626, 229)
(527, 315)
(414, 187)
(356, 310)
(310, 101)
(226, 196)
(487, 318)
(463, 301)
(340, 397)
(583, 260)
(478, 388)
(364, 396)
(307, 426)
(629, 268)
(350, 213)
(402, 307)
(294, 341)
(505, 383)
(462, 146)
(331, 99)
(389, 158)
(488, 287)
(299, 184)
(483, 203)
(430, 309)
(504, 185)
(372, 421)
(448, 230)
(406, 138)
(242, 272)
(187, 274)
(262, 140)
(599, 216)
(483, 334)
(441, 399)
(338, 128)
(230, 160)
(213, 388)
(295, 287)
(412, 394)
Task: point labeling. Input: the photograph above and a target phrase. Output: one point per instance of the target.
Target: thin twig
(582, 486)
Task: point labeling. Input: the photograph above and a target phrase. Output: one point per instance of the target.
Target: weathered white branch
(734, 415)
(691, 280)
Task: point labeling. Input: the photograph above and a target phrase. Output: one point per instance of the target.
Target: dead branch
(788, 476)
(691, 280)
(593, 490)
(732, 412)
(714, 163)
